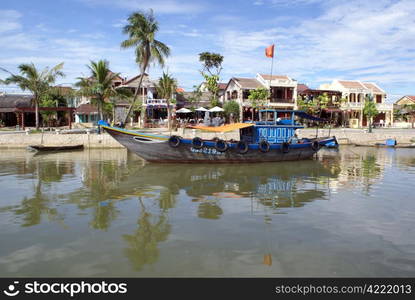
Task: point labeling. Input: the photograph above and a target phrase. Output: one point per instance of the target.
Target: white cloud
(9, 20)
(159, 6)
(356, 39)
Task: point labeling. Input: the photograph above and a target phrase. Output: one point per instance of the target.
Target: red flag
(269, 51)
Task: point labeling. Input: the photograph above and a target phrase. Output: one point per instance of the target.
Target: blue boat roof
(300, 113)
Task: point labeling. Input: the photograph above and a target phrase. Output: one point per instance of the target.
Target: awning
(223, 128)
(216, 109)
(305, 115)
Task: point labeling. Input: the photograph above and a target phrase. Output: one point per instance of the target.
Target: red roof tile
(302, 87)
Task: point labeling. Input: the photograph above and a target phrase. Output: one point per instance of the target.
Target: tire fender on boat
(197, 143)
(242, 147)
(315, 145)
(221, 145)
(263, 146)
(285, 147)
(174, 141)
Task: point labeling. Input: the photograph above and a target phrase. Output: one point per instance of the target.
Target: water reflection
(105, 180)
(109, 188)
(142, 244)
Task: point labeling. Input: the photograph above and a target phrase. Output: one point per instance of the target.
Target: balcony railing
(357, 105)
(246, 102)
(155, 102)
(279, 100)
(360, 105)
(384, 106)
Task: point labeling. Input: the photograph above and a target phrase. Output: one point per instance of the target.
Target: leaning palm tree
(99, 86)
(166, 88)
(141, 30)
(38, 82)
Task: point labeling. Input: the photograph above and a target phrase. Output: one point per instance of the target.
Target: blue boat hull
(156, 148)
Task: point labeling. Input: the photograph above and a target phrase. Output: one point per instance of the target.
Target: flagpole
(272, 66)
(270, 78)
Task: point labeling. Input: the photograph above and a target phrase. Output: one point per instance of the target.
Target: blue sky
(316, 41)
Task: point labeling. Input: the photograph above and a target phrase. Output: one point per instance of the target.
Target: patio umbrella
(183, 111)
(216, 109)
(201, 109)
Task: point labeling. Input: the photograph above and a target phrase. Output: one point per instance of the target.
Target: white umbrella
(183, 111)
(216, 109)
(201, 109)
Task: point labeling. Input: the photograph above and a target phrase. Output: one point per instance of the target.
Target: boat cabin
(274, 126)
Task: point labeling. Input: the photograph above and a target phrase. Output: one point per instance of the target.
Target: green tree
(99, 86)
(258, 98)
(38, 82)
(304, 105)
(195, 96)
(211, 82)
(166, 87)
(212, 62)
(212, 66)
(141, 30)
(321, 102)
(232, 108)
(370, 110)
(410, 113)
(53, 98)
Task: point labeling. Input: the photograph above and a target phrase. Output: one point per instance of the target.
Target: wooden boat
(56, 148)
(271, 139)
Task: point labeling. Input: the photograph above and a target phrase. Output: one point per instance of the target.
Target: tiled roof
(274, 77)
(15, 101)
(411, 97)
(132, 82)
(222, 85)
(352, 84)
(302, 87)
(86, 109)
(372, 87)
(248, 83)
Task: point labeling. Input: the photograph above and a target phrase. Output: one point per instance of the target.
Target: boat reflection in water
(128, 218)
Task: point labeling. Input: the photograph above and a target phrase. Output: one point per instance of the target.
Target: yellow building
(355, 92)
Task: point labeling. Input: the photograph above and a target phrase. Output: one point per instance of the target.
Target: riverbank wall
(348, 136)
(344, 136)
(22, 140)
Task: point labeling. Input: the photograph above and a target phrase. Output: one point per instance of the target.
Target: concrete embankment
(361, 136)
(22, 140)
(344, 136)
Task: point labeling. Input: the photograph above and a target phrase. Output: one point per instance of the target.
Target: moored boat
(271, 139)
(56, 148)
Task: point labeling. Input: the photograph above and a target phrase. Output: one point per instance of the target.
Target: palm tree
(370, 110)
(141, 30)
(166, 87)
(99, 86)
(38, 82)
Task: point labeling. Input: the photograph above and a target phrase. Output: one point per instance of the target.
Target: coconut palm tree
(166, 87)
(370, 110)
(141, 30)
(38, 82)
(99, 86)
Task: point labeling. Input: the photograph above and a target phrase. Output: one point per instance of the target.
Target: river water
(107, 213)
